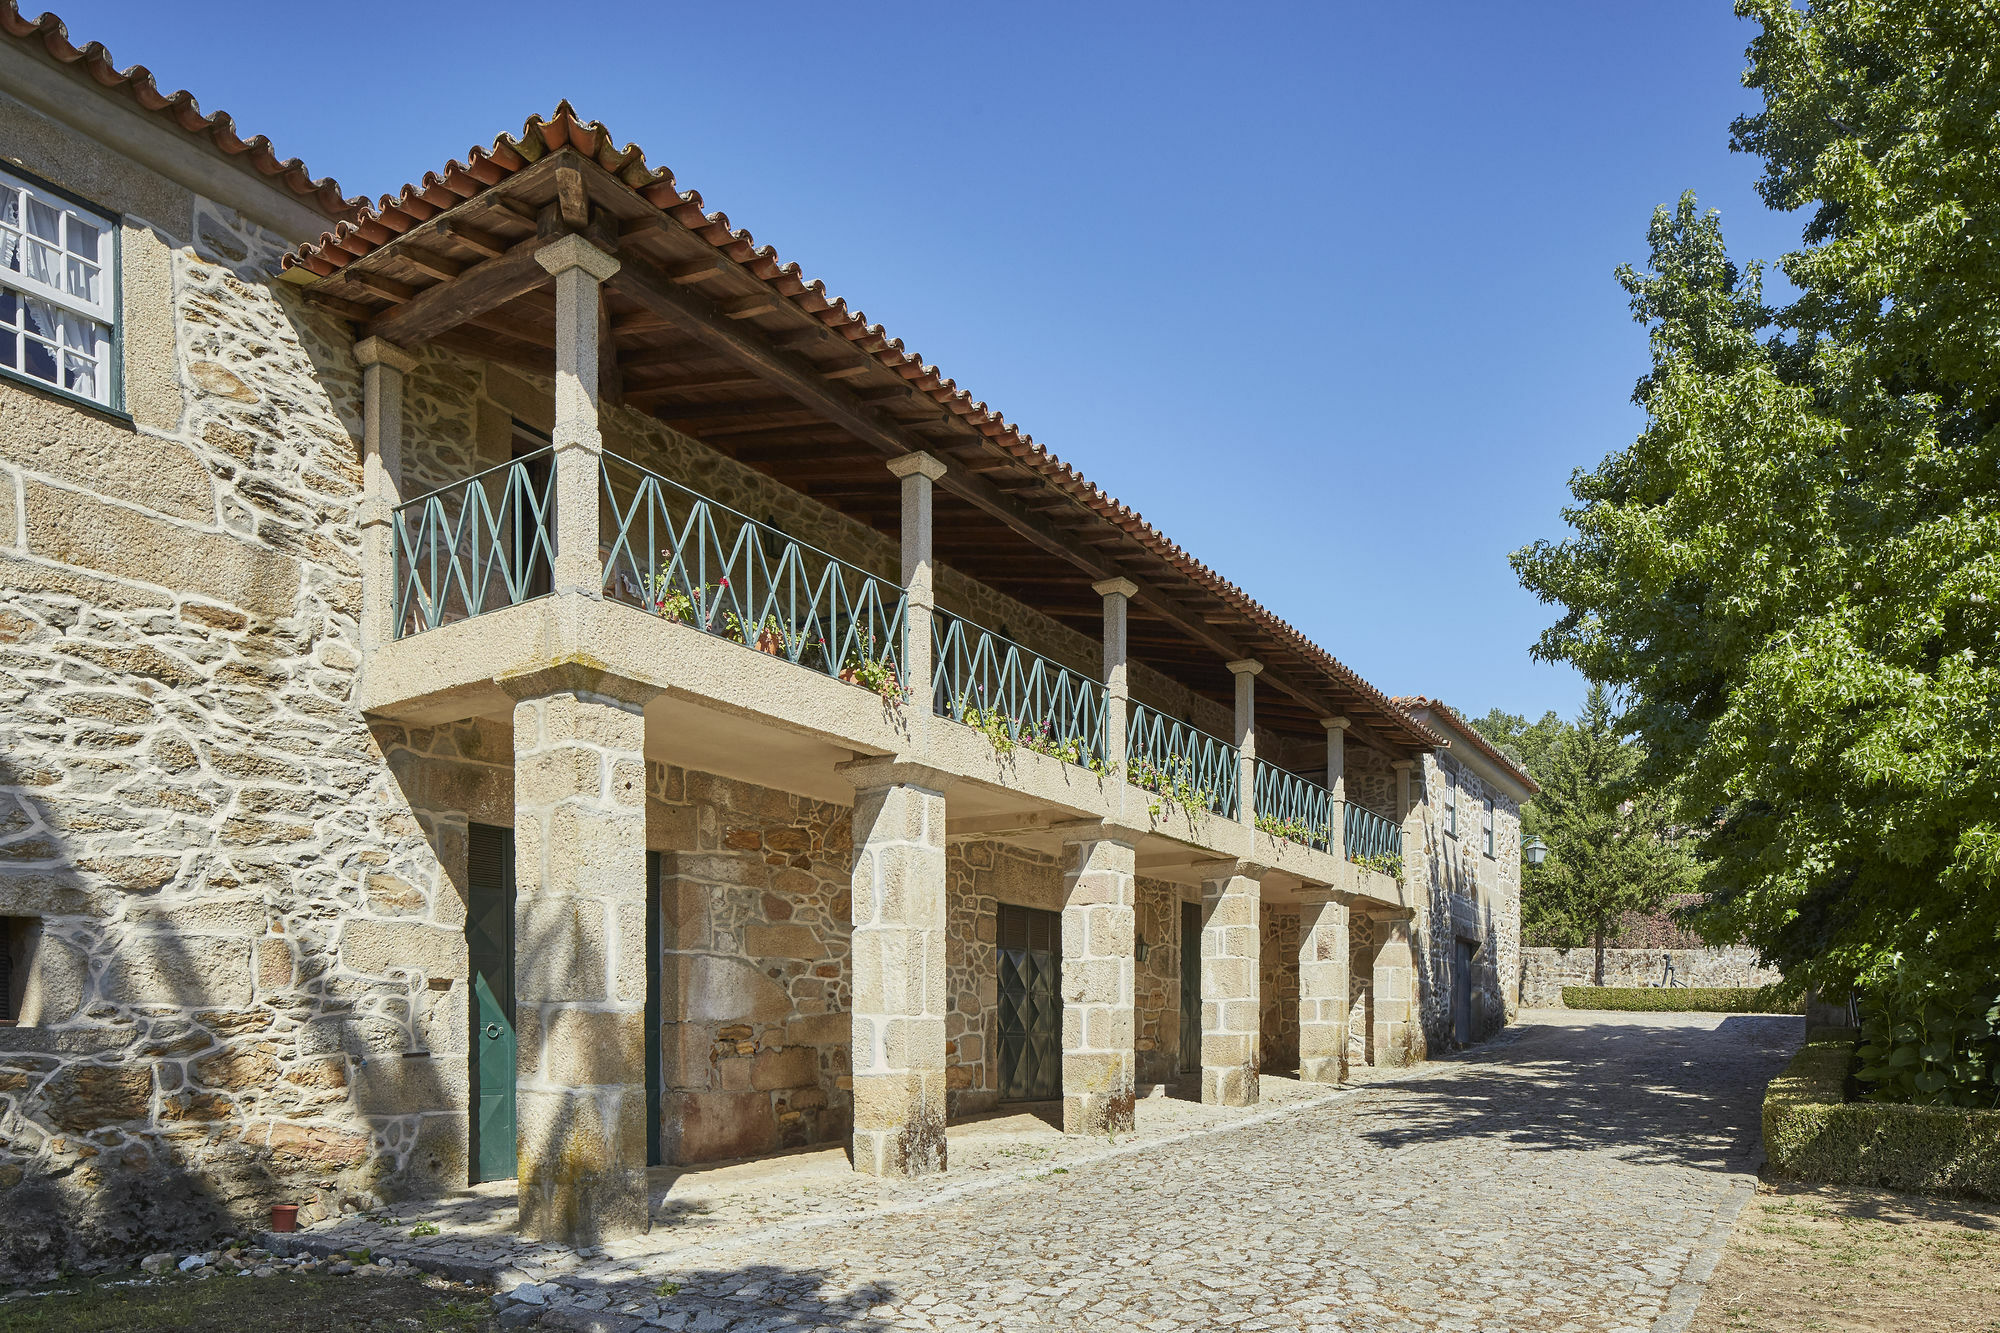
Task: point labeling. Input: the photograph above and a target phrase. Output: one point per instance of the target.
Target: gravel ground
(1560, 1178)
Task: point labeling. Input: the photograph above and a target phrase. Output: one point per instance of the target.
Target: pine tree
(1610, 848)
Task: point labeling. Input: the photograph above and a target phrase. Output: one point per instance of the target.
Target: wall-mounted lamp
(1140, 949)
(1535, 850)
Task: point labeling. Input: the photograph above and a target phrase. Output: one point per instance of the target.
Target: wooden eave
(743, 356)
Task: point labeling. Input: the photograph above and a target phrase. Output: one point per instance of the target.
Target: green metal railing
(1370, 837)
(1288, 806)
(1185, 765)
(997, 686)
(687, 558)
(476, 545)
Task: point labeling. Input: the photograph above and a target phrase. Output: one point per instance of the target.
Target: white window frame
(100, 314)
(1486, 822)
(1450, 804)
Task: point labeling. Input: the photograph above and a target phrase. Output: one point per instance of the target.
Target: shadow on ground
(1665, 1093)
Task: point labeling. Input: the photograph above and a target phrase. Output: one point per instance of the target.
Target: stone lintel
(1100, 830)
(1208, 872)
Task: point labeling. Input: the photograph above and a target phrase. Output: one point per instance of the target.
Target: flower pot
(771, 641)
(284, 1217)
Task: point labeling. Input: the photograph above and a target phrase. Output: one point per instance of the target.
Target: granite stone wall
(980, 875)
(1544, 972)
(1278, 988)
(1156, 980)
(1466, 895)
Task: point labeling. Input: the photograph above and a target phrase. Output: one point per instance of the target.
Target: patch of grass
(322, 1304)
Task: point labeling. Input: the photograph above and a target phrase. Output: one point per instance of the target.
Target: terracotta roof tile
(1410, 703)
(178, 109)
(393, 214)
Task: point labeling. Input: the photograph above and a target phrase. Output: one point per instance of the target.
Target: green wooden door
(1030, 1004)
(489, 939)
(1190, 987)
(654, 1076)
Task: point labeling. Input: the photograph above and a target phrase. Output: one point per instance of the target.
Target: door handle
(492, 1032)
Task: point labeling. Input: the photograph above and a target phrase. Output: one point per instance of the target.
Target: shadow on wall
(1654, 1093)
(177, 1079)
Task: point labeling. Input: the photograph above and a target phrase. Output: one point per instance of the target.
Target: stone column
(1231, 1020)
(1336, 779)
(1393, 992)
(1323, 985)
(580, 269)
(1100, 1062)
(919, 473)
(383, 365)
(1117, 594)
(1246, 672)
(579, 953)
(898, 968)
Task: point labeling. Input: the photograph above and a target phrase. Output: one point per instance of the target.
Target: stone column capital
(1335, 723)
(1247, 666)
(874, 773)
(1229, 868)
(917, 464)
(1099, 830)
(578, 676)
(1402, 765)
(574, 252)
(382, 352)
(1120, 587)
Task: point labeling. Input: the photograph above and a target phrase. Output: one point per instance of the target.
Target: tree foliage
(1526, 743)
(1793, 574)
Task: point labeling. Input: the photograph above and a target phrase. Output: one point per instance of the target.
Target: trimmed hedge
(1677, 999)
(1812, 1133)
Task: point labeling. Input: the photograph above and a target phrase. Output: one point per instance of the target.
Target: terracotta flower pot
(284, 1217)
(772, 642)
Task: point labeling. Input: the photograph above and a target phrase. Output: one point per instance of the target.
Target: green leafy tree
(1610, 850)
(1793, 574)
(1526, 743)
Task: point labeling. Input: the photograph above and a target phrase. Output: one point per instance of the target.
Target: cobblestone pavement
(1558, 1179)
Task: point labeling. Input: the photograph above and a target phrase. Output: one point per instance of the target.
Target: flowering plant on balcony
(1173, 782)
(1382, 863)
(864, 668)
(1295, 829)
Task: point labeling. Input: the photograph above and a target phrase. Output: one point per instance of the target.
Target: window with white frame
(1486, 822)
(58, 306)
(1451, 805)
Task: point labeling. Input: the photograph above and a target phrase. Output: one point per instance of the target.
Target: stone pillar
(1231, 961)
(579, 953)
(383, 365)
(919, 473)
(1100, 1062)
(898, 968)
(1246, 672)
(580, 269)
(1393, 991)
(1336, 779)
(1323, 985)
(1117, 594)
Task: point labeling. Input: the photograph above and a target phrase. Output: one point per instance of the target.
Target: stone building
(512, 680)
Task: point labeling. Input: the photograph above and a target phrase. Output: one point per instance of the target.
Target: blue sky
(1324, 291)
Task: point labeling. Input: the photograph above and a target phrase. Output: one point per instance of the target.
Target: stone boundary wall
(1544, 972)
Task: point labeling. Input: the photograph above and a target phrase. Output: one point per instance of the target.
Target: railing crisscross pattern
(1180, 762)
(474, 546)
(994, 684)
(1370, 837)
(691, 559)
(1290, 807)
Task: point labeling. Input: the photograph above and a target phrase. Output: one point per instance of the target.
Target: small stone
(341, 1269)
(262, 1270)
(156, 1264)
(192, 1262)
